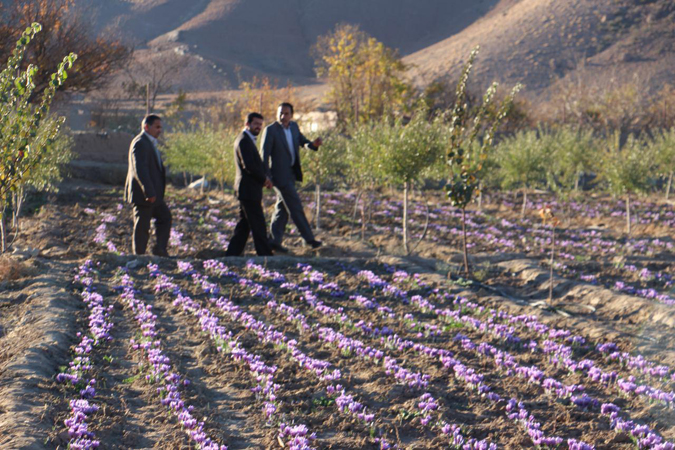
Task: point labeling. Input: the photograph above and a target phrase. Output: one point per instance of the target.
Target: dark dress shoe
(278, 247)
(159, 252)
(315, 244)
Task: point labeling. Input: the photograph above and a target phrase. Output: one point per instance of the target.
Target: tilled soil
(41, 313)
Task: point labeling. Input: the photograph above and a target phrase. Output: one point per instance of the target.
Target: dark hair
(254, 115)
(150, 119)
(286, 105)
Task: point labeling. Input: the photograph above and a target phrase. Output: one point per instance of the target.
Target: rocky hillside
(536, 42)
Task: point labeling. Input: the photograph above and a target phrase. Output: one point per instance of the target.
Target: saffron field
(357, 346)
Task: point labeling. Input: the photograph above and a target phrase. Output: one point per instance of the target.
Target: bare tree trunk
(406, 186)
(576, 183)
(628, 224)
(550, 275)
(203, 183)
(363, 220)
(669, 186)
(147, 99)
(480, 196)
(19, 198)
(318, 206)
(466, 255)
(522, 211)
(3, 234)
(356, 210)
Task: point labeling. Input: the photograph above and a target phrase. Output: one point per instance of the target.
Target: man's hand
(268, 183)
(152, 199)
(318, 142)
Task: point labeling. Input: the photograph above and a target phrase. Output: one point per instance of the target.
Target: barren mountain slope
(538, 42)
(272, 37)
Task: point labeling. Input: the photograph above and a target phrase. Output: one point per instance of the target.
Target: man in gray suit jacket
(281, 157)
(145, 185)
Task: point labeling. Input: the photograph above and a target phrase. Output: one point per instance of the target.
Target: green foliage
(24, 130)
(356, 146)
(662, 147)
(524, 160)
(329, 164)
(573, 154)
(403, 152)
(466, 159)
(629, 169)
(202, 150)
(56, 154)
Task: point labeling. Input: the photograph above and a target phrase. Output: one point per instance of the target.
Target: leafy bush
(524, 161)
(326, 166)
(574, 153)
(627, 170)
(662, 147)
(202, 151)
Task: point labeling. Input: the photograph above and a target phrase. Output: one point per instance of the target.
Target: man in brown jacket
(145, 185)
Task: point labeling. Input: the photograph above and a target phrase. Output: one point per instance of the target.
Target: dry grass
(11, 269)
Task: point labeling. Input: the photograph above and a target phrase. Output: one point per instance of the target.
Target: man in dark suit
(145, 185)
(281, 156)
(248, 187)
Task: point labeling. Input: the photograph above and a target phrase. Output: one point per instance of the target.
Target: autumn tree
(64, 29)
(365, 77)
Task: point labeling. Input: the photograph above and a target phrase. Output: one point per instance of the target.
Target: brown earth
(41, 312)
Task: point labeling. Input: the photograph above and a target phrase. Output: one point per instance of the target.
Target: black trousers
(252, 221)
(142, 216)
(289, 204)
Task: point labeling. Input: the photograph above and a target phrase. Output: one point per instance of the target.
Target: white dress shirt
(289, 139)
(251, 136)
(155, 145)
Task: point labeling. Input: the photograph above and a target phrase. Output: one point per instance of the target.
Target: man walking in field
(281, 156)
(145, 185)
(248, 187)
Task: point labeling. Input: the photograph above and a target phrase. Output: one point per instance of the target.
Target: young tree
(663, 149)
(548, 217)
(464, 158)
(365, 77)
(404, 152)
(361, 163)
(524, 162)
(628, 170)
(574, 153)
(202, 151)
(25, 130)
(325, 166)
(44, 177)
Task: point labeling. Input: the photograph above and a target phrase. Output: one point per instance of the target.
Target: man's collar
(251, 135)
(282, 125)
(152, 138)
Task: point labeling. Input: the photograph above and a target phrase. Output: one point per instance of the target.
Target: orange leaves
(547, 216)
